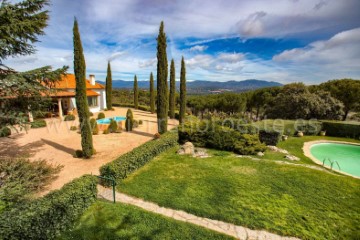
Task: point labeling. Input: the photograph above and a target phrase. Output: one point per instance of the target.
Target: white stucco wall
(102, 98)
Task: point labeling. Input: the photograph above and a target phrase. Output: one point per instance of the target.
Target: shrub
(269, 137)
(140, 122)
(73, 128)
(249, 145)
(20, 178)
(5, 132)
(138, 157)
(94, 126)
(91, 114)
(47, 217)
(69, 118)
(210, 134)
(341, 129)
(129, 120)
(106, 131)
(113, 127)
(157, 135)
(101, 115)
(135, 123)
(38, 123)
(78, 154)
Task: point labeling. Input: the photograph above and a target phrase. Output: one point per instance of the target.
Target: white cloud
(148, 63)
(343, 49)
(254, 24)
(230, 57)
(198, 48)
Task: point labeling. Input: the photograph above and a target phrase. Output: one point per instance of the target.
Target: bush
(210, 134)
(73, 128)
(269, 137)
(138, 157)
(38, 123)
(47, 217)
(101, 115)
(106, 131)
(249, 145)
(91, 114)
(94, 126)
(140, 122)
(135, 123)
(341, 129)
(113, 127)
(69, 118)
(5, 132)
(129, 120)
(290, 127)
(78, 154)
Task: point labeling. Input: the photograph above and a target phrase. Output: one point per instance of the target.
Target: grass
(105, 220)
(284, 199)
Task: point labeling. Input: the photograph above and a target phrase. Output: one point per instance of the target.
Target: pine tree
(172, 90)
(136, 93)
(80, 94)
(108, 87)
(162, 86)
(152, 94)
(23, 92)
(182, 92)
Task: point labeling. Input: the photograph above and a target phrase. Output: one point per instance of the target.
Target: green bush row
(341, 129)
(138, 157)
(140, 107)
(38, 123)
(5, 132)
(290, 127)
(69, 118)
(210, 134)
(47, 217)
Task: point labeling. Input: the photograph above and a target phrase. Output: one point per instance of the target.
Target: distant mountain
(202, 86)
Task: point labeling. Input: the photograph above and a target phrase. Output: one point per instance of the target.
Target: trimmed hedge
(69, 118)
(341, 129)
(290, 127)
(121, 167)
(269, 137)
(38, 123)
(101, 115)
(47, 217)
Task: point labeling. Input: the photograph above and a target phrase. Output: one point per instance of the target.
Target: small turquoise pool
(108, 120)
(347, 156)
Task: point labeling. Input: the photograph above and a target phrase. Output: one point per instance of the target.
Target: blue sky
(285, 40)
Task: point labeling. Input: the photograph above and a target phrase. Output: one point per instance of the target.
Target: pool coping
(307, 153)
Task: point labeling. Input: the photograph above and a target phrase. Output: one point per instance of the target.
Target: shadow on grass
(59, 146)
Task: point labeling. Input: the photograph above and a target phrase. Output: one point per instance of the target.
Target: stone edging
(307, 153)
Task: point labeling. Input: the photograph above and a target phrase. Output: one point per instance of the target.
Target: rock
(292, 158)
(187, 148)
(260, 154)
(276, 149)
(201, 153)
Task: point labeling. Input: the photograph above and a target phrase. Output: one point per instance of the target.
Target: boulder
(292, 158)
(187, 148)
(260, 154)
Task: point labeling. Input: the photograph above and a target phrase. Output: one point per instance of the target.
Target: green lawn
(284, 199)
(108, 221)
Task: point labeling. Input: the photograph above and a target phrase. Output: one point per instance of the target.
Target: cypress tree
(136, 93)
(152, 94)
(162, 86)
(172, 90)
(108, 87)
(182, 92)
(80, 95)
(129, 120)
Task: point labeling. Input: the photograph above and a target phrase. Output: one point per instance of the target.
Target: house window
(92, 101)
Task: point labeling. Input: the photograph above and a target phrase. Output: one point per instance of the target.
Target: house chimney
(92, 79)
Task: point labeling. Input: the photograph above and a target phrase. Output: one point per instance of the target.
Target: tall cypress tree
(108, 87)
(182, 92)
(162, 85)
(80, 95)
(152, 93)
(136, 93)
(172, 90)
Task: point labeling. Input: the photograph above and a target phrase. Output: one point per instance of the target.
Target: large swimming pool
(108, 120)
(340, 156)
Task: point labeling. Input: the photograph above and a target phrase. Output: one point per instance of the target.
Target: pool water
(347, 156)
(108, 120)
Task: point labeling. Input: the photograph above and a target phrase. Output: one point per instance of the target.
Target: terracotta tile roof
(89, 93)
(68, 82)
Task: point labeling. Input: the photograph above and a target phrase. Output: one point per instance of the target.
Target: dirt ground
(57, 144)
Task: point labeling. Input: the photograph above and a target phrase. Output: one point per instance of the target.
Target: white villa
(64, 98)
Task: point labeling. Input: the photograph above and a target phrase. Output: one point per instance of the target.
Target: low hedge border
(39, 123)
(121, 167)
(47, 217)
(341, 129)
